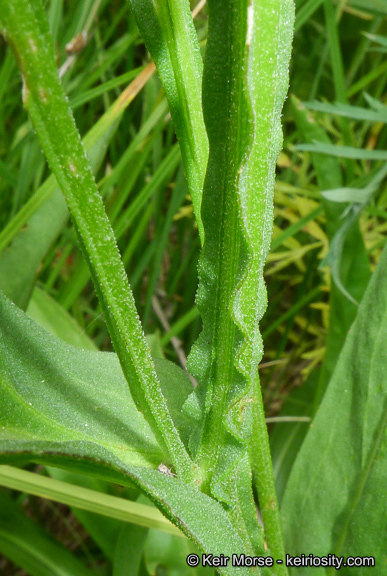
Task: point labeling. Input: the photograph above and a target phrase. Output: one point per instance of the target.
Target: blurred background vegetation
(325, 244)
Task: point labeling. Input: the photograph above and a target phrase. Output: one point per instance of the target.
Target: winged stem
(245, 84)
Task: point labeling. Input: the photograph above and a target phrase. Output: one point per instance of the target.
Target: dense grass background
(339, 56)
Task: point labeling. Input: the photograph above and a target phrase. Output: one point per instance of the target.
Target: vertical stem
(24, 25)
(262, 467)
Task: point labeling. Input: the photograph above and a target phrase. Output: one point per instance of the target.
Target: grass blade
(343, 151)
(85, 499)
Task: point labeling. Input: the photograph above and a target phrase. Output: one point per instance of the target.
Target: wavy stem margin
(244, 87)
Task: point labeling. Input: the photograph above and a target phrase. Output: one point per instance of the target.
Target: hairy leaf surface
(334, 501)
(170, 36)
(66, 407)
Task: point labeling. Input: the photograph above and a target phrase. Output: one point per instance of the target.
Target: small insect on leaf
(165, 470)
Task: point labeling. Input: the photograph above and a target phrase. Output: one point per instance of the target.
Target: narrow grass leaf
(337, 244)
(372, 6)
(85, 499)
(342, 151)
(30, 547)
(347, 111)
(304, 14)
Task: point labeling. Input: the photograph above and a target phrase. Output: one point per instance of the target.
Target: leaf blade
(344, 454)
(43, 417)
(244, 85)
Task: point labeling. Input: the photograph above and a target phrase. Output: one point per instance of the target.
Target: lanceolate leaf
(244, 86)
(334, 501)
(269, 55)
(170, 36)
(65, 407)
(65, 393)
(24, 24)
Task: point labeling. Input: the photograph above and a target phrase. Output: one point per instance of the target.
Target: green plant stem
(244, 86)
(265, 484)
(24, 25)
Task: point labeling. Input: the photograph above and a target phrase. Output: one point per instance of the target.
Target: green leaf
(170, 36)
(372, 6)
(378, 40)
(176, 387)
(192, 511)
(20, 260)
(305, 12)
(103, 525)
(31, 548)
(31, 355)
(342, 151)
(39, 372)
(287, 437)
(49, 110)
(53, 317)
(65, 407)
(336, 248)
(334, 502)
(353, 112)
(90, 502)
